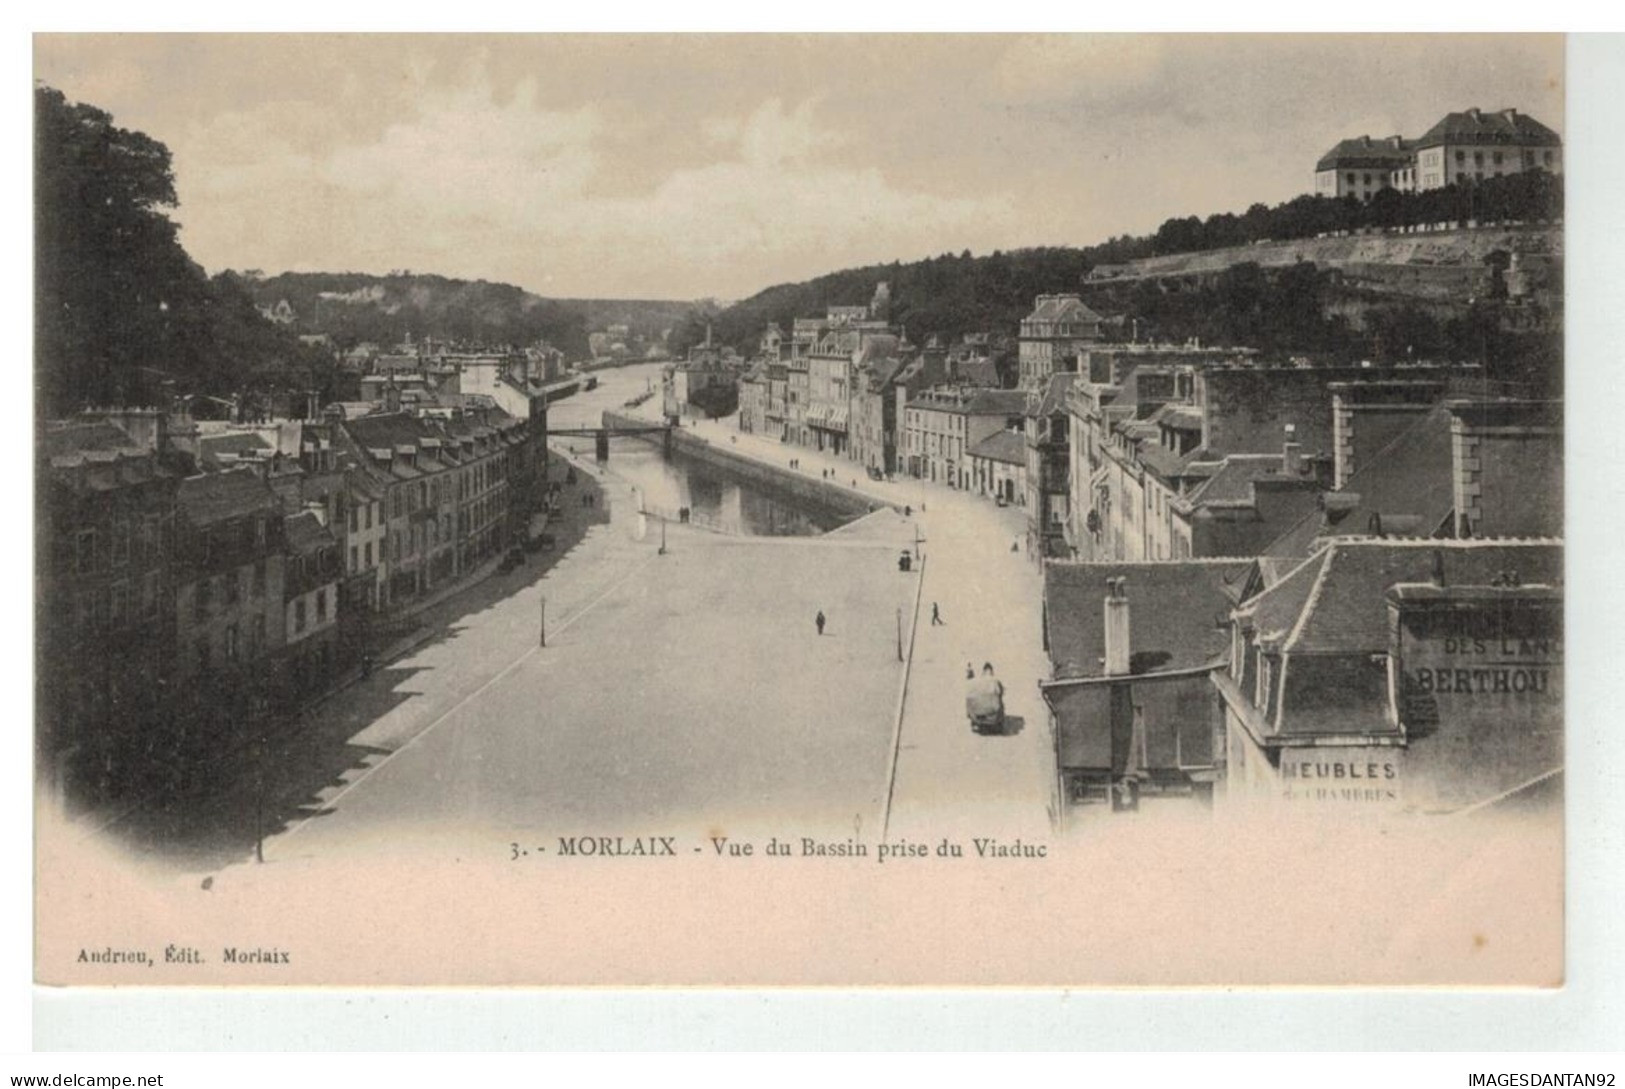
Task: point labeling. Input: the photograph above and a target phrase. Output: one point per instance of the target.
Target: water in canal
(714, 496)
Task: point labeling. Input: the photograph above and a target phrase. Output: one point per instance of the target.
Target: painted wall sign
(1351, 775)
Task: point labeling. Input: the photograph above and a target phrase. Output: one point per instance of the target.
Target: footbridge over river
(617, 429)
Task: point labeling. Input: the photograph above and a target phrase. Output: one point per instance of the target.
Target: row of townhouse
(196, 579)
(1369, 619)
(850, 384)
(1182, 451)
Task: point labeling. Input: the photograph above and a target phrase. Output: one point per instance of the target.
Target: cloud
(506, 189)
(1097, 68)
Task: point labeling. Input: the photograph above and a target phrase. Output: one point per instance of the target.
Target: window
(299, 615)
(258, 635)
(203, 653)
(149, 596)
(355, 557)
(1351, 178)
(259, 578)
(85, 551)
(231, 643)
(321, 605)
(355, 519)
(368, 554)
(1497, 158)
(1461, 156)
(1478, 158)
(1368, 179)
(121, 542)
(1548, 158)
(233, 589)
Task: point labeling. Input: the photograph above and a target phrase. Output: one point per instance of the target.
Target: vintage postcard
(799, 510)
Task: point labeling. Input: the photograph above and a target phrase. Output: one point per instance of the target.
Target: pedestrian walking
(970, 672)
(936, 617)
(1014, 545)
(820, 621)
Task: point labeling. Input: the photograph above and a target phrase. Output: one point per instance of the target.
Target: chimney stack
(1291, 458)
(1117, 628)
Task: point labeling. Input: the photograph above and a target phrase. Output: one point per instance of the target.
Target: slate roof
(1507, 127)
(215, 497)
(1411, 476)
(979, 372)
(1174, 607)
(1182, 418)
(1005, 446)
(1335, 602)
(1162, 461)
(70, 443)
(387, 430)
(1234, 481)
(1053, 399)
(877, 347)
(305, 533)
(996, 402)
(1062, 308)
(214, 447)
(1363, 151)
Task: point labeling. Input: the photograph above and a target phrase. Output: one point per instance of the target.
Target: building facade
(1462, 148)
(942, 425)
(104, 600)
(1051, 337)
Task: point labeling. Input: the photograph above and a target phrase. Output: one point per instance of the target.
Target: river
(715, 496)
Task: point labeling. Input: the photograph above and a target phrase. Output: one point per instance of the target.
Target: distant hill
(1439, 295)
(352, 307)
(1314, 275)
(947, 295)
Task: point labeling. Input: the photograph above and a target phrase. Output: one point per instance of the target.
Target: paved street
(685, 692)
(949, 780)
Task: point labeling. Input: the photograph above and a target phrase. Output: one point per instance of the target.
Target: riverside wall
(826, 493)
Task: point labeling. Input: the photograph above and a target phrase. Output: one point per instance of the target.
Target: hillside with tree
(1297, 308)
(352, 307)
(122, 313)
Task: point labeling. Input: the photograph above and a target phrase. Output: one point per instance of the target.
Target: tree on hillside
(114, 290)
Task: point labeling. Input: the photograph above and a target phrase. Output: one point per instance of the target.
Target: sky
(692, 166)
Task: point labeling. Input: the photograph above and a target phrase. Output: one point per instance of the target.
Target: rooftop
(75, 443)
(1363, 151)
(1176, 609)
(1053, 399)
(1334, 602)
(216, 497)
(305, 533)
(1408, 481)
(1473, 126)
(1054, 308)
(1006, 446)
(1238, 474)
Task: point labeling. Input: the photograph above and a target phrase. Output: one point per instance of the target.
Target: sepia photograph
(1054, 510)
